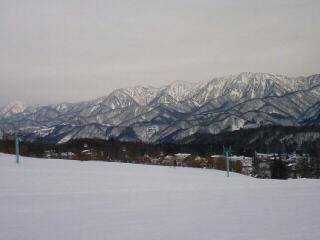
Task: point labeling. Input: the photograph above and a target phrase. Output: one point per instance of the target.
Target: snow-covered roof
(216, 156)
(182, 155)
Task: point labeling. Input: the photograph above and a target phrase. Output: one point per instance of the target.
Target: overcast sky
(71, 50)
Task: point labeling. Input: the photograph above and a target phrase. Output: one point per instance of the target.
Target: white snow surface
(64, 199)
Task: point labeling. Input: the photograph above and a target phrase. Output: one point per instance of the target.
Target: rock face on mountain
(176, 111)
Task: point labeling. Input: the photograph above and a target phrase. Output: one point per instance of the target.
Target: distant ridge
(176, 111)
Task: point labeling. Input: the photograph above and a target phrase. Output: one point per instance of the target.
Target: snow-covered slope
(180, 90)
(232, 102)
(12, 108)
(63, 199)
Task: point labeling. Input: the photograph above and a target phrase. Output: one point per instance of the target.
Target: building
(180, 159)
(263, 164)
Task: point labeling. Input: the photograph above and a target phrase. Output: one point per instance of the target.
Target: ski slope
(45, 199)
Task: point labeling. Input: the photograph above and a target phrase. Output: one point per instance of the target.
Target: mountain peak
(13, 107)
(179, 90)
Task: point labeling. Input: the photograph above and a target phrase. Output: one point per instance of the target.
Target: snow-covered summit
(248, 85)
(13, 108)
(141, 94)
(180, 90)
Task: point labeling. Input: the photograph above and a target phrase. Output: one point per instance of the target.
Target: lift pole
(17, 146)
(226, 152)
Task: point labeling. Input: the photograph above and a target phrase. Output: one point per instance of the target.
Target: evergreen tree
(278, 168)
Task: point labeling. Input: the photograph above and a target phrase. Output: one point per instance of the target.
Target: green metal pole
(17, 146)
(228, 167)
(226, 153)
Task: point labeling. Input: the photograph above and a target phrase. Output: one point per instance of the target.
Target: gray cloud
(54, 51)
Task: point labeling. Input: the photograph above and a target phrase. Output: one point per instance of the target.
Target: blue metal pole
(226, 152)
(17, 146)
(228, 167)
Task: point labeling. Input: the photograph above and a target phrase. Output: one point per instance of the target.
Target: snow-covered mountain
(176, 111)
(12, 108)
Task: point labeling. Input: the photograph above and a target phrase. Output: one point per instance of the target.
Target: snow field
(63, 199)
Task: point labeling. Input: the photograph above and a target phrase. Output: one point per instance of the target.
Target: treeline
(283, 166)
(279, 165)
(266, 139)
(273, 139)
(113, 149)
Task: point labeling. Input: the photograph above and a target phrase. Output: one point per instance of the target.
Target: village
(260, 165)
(276, 165)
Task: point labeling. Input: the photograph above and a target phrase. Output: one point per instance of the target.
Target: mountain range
(174, 112)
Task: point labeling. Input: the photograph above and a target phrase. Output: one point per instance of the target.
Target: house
(88, 154)
(245, 164)
(67, 155)
(181, 158)
(51, 154)
(168, 160)
(263, 164)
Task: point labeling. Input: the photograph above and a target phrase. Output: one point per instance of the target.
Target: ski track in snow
(63, 199)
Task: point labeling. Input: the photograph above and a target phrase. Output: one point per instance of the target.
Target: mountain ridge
(177, 110)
